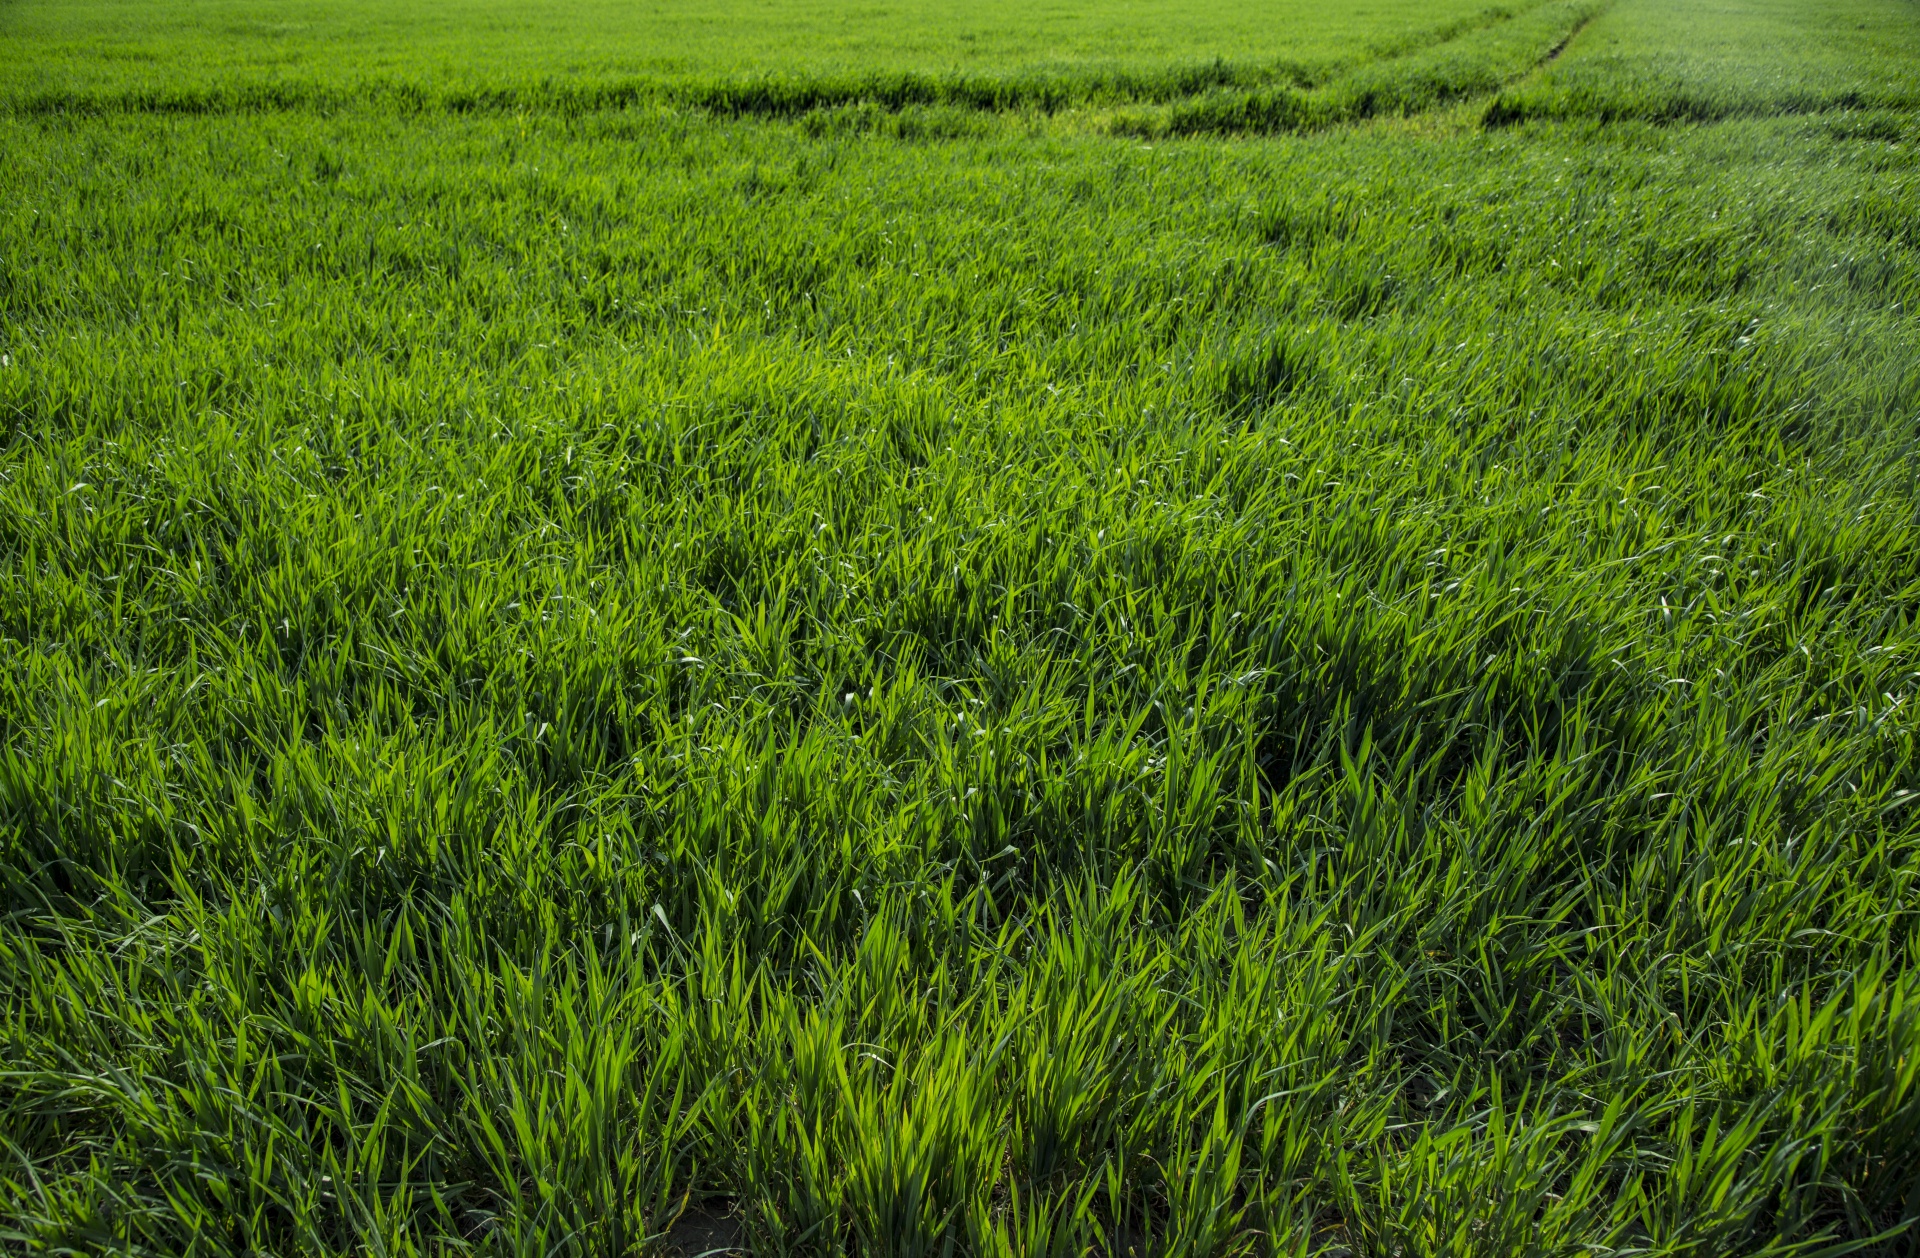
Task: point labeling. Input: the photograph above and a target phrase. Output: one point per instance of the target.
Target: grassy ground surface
(1034, 655)
(119, 45)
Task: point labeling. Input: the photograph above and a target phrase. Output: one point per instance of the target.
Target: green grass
(56, 49)
(1252, 663)
(1759, 58)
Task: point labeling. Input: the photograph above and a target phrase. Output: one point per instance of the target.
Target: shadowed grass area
(931, 681)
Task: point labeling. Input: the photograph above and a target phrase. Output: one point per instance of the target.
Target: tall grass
(934, 684)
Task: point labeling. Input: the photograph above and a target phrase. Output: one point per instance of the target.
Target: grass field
(1130, 629)
(437, 45)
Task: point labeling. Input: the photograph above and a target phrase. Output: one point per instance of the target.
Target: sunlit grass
(929, 678)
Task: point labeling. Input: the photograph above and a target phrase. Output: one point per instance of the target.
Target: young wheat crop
(1162, 634)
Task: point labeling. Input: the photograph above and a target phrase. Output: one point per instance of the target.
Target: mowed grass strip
(926, 682)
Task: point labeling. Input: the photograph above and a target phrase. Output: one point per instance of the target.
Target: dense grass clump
(945, 675)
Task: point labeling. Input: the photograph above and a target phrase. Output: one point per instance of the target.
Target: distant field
(1159, 630)
(1698, 62)
(63, 46)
